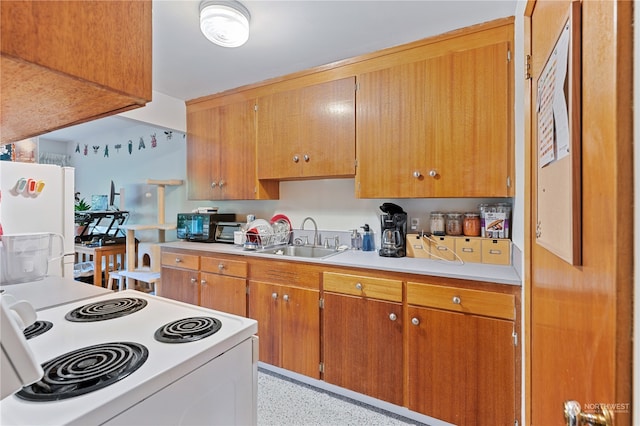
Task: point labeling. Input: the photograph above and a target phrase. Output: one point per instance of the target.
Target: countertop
(372, 261)
(52, 291)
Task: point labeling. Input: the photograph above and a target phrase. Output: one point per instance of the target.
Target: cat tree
(136, 269)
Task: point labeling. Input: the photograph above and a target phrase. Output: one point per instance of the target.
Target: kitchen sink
(302, 251)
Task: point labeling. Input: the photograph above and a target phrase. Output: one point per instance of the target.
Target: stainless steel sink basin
(303, 251)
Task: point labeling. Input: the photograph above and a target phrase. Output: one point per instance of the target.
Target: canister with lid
(437, 223)
(454, 223)
(471, 224)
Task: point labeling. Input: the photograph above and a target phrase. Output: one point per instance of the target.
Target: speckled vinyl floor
(283, 401)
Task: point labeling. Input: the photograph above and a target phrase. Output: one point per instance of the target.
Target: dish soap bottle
(356, 240)
(367, 239)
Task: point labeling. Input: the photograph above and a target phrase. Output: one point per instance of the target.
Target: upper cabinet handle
(296, 158)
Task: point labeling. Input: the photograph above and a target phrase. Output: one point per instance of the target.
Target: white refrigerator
(40, 198)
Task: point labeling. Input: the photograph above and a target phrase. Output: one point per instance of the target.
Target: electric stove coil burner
(37, 328)
(85, 370)
(106, 309)
(188, 330)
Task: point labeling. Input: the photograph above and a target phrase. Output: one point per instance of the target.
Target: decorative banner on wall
(142, 145)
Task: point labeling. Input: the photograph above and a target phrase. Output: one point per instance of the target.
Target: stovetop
(164, 363)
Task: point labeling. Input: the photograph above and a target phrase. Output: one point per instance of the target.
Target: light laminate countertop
(372, 261)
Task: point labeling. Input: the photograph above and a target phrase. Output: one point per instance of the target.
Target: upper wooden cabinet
(437, 127)
(307, 132)
(67, 62)
(221, 152)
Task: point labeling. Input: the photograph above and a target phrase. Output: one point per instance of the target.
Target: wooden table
(112, 256)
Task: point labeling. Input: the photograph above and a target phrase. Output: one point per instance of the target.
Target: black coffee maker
(393, 226)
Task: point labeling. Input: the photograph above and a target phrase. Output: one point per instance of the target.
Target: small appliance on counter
(393, 226)
(201, 227)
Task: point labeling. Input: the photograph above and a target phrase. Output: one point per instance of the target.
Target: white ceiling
(287, 36)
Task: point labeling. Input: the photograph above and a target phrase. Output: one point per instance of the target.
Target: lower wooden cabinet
(180, 277)
(288, 326)
(212, 282)
(362, 341)
(223, 285)
(460, 365)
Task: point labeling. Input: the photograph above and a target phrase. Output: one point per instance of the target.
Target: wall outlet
(415, 223)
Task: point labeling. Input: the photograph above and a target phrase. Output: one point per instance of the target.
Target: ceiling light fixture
(225, 23)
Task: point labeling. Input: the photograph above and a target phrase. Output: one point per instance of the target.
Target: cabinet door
(307, 132)
(363, 346)
(221, 152)
(474, 149)
(461, 368)
(202, 155)
(236, 143)
(179, 284)
(397, 116)
(227, 294)
(264, 307)
(300, 316)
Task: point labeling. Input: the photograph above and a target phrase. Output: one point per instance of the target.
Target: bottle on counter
(367, 239)
(356, 240)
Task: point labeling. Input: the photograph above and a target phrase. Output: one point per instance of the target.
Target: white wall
(330, 202)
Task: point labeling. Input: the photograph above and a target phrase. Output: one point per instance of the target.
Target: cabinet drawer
(469, 249)
(179, 260)
(497, 252)
(463, 300)
(216, 265)
(443, 248)
(374, 288)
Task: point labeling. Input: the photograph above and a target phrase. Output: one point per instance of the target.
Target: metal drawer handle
(296, 158)
(193, 280)
(456, 300)
(415, 321)
(274, 296)
(359, 286)
(393, 316)
(285, 297)
(203, 282)
(220, 266)
(178, 260)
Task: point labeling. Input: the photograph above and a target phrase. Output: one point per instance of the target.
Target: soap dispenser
(367, 239)
(356, 240)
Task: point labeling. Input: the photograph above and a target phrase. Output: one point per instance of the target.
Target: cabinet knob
(306, 158)
(417, 174)
(433, 173)
(221, 183)
(178, 260)
(274, 296)
(415, 321)
(214, 184)
(359, 286)
(285, 297)
(296, 158)
(193, 280)
(203, 282)
(220, 266)
(393, 316)
(456, 300)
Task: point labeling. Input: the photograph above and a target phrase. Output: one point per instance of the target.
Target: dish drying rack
(259, 241)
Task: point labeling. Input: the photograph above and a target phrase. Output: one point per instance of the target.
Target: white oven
(163, 378)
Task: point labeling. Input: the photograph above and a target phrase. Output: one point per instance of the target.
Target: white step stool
(148, 277)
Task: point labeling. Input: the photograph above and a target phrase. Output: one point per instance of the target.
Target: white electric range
(211, 380)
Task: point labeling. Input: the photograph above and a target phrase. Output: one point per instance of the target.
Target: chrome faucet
(315, 229)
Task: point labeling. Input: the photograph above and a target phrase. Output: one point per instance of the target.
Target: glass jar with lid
(454, 223)
(437, 223)
(471, 224)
